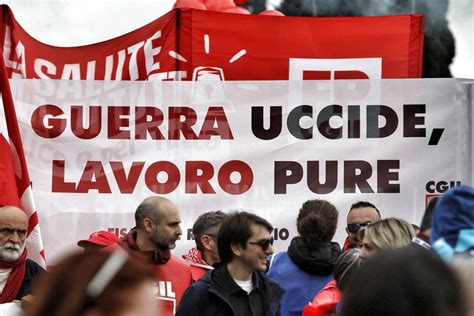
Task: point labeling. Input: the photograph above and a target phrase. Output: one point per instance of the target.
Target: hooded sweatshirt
(453, 222)
(303, 271)
(173, 275)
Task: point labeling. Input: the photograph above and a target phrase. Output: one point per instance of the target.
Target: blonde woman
(389, 233)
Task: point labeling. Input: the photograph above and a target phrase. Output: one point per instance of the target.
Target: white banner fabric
(96, 149)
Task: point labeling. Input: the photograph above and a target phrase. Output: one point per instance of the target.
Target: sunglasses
(264, 243)
(355, 227)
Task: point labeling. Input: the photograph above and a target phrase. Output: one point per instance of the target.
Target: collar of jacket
(271, 292)
(314, 257)
(128, 242)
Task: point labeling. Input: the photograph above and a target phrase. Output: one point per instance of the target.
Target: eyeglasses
(264, 243)
(355, 227)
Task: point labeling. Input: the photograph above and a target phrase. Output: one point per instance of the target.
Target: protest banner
(96, 149)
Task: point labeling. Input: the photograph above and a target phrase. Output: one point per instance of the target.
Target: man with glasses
(238, 285)
(360, 215)
(205, 254)
(16, 271)
(308, 264)
(151, 240)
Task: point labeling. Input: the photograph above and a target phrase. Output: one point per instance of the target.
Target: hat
(100, 238)
(453, 222)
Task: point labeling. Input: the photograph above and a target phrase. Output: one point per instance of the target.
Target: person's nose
(179, 232)
(15, 237)
(269, 250)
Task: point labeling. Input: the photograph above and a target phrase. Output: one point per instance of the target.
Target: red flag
(188, 44)
(15, 181)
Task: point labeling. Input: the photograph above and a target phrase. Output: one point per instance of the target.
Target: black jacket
(32, 271)
(207, 297)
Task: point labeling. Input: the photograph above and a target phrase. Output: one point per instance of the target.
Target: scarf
(314, 257)
(128, 242)
(15, 279)
(194, 257)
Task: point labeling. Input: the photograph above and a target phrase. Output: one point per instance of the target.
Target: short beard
(11, 252)
(158, 242)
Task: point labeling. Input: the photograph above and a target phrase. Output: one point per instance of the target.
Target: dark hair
(236, 229)
(147, 209)
(317, 220)
(62, 291)
(364, 204)
(427, 217)
(206, 224)
(346, 267)
(404, 281)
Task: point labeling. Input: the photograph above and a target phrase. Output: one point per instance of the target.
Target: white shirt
(247, 286)
(4, 273)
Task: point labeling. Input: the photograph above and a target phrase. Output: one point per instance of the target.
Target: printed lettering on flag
(187, 44)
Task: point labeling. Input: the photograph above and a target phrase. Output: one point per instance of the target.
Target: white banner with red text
(96, 149)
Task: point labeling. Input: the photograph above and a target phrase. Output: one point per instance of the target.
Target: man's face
(361, 215)
(168, 229)
(13, 229)
(254, 256)
(209, 243)
(214, 251)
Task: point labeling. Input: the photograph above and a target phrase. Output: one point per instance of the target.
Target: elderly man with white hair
(16, 271)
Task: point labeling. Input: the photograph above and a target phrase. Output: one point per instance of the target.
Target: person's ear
(206, 242)
(236, 249)
(149, 225)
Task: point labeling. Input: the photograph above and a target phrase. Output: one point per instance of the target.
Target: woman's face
(368, 249)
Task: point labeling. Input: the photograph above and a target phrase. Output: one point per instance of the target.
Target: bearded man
(151, 240)
(16, 271)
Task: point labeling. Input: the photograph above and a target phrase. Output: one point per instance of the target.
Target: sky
(75, 23)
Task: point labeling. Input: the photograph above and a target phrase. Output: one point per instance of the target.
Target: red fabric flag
(188, 44)
(8, 191)
(15, 181)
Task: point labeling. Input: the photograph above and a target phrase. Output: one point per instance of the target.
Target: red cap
(101, 238)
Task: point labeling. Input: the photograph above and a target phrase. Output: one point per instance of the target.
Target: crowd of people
(386, 266)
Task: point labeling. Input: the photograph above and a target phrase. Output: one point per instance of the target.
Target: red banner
(192, 44)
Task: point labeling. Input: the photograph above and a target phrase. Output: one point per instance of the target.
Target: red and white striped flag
(15, 185)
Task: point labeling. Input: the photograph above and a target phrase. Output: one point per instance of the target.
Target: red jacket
(173, 278)
(325, 302)
(173, 275)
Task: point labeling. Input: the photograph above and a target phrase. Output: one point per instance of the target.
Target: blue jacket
(207, 297)
(301, 286)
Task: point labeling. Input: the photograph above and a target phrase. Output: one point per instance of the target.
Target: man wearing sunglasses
(360, 215)
(238, 285)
